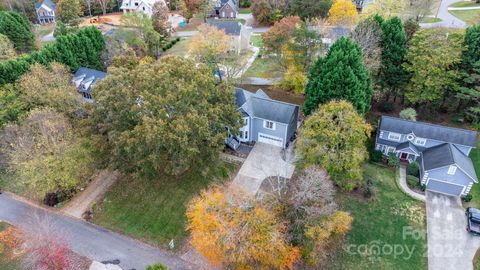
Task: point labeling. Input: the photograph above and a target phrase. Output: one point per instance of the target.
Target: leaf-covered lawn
(7, 263)
(380, 224)
(264, 68)
(155, 210)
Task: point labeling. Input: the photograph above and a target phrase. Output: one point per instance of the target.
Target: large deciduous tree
(49, 87)
(164, 116)
(238, 232)
(387, 8)
(268, 11)
(68, 12)
(393, 77)
(104, 6)
(18, 29)
(45, 154)
(343, 12)
(160, 20)
(339, 75)
(190, 7)
(432, 59)
(280, 33)
(368, 34)
(334, 137)
(310, 9)
(469, 92)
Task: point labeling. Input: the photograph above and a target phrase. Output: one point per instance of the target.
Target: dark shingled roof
(232, 28)
(262, 106)
(48, 3)
(447, 154)
(429, 131)
(89, 74)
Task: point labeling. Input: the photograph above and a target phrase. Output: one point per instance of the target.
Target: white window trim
(245, 121)
(395, 134)
(452, 169)
(267, 121)
(422, 142)
(390, 148)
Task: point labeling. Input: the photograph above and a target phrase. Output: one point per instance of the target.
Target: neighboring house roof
(232, 28)
(84, 78)
(130, 4)
(47, 3)
(429, 131)
(260, 105)
(447, 154)
(232, 3)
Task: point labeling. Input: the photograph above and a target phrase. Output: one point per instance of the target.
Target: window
(394, 136)
(390, 150)
(452, 169)
(245, 121)
(241, 134)
(136, 4)
(420, 141)
(410, 137)
(246, 135)
(269, 124)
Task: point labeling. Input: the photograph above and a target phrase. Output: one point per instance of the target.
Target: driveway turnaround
(450, 246)
(89, 240)
(263, 161)
(448, 20)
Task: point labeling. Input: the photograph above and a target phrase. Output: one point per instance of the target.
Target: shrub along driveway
(450, 246)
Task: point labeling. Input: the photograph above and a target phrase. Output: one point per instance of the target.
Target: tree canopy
(341, 74)
(334, 137)
(280, 33)
(18, 30)
(165, 116)
(310, 9)
(68, 12)
(343, 12)
(7, 52)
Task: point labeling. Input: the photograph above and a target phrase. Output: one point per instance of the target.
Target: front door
(404, 156)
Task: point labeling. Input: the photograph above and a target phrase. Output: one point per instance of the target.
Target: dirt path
(95, 190)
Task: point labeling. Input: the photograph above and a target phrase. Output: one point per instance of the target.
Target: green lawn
(245, 11)
(155, 210)
(381, 223)
(476, 261)
(465, 4)
(6, 264)
(470, 16)
(180, 48)
(430, 20)
(257, 41)
(264, 68)
(475, 156)
(43, 30)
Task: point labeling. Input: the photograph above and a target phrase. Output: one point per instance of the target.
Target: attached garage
(264, 138)
(445, 187)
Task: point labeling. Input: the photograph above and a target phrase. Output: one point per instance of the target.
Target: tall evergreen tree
(18, 29)
(393, 77)
(69, 12)
(469, 92)
(340, 75)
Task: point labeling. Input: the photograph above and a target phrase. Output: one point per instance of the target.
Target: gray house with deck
(441, 151)
(264, 120)
(45, 11)
(85, 79)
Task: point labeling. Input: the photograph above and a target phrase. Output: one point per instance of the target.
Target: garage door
(445, 188)
(264, 138)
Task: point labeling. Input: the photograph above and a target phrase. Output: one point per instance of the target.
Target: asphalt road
(90, 240)
(448, 20)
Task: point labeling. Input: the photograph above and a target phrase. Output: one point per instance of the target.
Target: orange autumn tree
(343, 12)
(233, 230)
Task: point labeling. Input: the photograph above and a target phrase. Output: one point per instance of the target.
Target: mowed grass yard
(471, 16)
(475, 156)
(380, 223)
(5, 262)
(465, 4)
(154, 211)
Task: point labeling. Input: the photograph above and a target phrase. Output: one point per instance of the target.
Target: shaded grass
(257, 41)
(430, 20)
(475, 156)
(245, 11)
(465, 4)
(5, 263)
(155, 210)
(476, 260)
(43, 30)
(470, 16)
(264, 68)
(380, 222)
(180, 48)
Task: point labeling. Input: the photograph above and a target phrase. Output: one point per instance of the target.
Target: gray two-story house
(85, 79)
(264, 119)
(441, 151)
(45, 11)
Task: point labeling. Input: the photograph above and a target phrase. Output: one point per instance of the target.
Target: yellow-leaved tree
(232, 230)
(343, 12)
(387, 8)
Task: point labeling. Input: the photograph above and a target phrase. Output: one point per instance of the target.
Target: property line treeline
(83, 48)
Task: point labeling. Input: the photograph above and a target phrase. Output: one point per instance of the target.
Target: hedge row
(18, 29)
(74, 50)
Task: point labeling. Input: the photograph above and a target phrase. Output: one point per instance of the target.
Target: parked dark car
(473, 220)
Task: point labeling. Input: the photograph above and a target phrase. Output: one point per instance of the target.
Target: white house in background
(45, 11)
(145, 6)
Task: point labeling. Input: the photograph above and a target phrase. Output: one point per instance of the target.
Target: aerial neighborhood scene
(239, 134)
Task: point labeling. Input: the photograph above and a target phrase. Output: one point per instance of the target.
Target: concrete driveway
(263, 161)
(448, 20)
(450, 246)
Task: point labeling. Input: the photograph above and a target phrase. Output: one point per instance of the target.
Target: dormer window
(452, 169)
(394, 136)
(420, 141)
(410, 137)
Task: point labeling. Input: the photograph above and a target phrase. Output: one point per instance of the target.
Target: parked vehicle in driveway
(473, 220)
